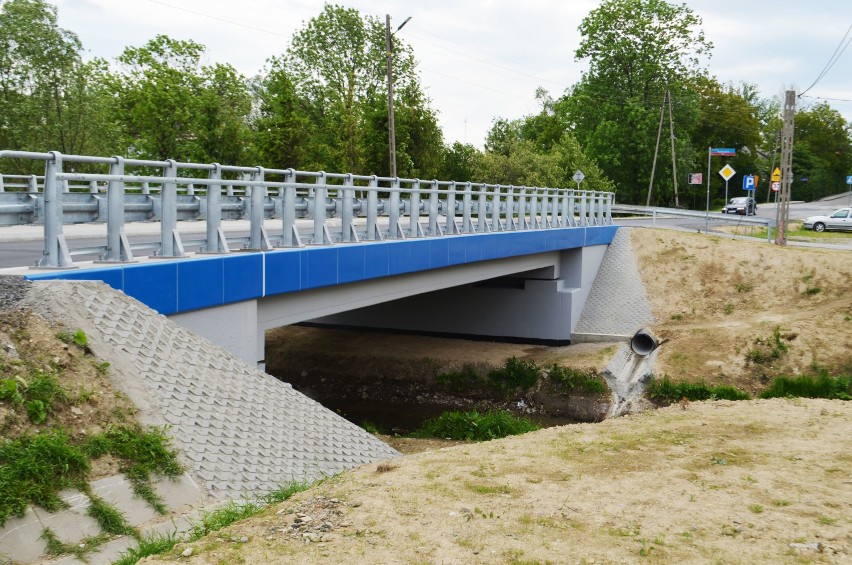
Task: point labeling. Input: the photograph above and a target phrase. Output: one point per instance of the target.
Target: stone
(186, 552)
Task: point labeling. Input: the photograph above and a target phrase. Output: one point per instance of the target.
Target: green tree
(177, 108)
(822, 152)
(50, 98)
(637, 49)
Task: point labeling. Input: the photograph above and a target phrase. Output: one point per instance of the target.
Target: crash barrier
(116, 190)
(707, 216)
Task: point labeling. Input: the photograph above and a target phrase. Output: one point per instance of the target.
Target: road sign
(578, 176)
(776, 175)
(723, 152)
(849, 179)
(695, 178)
(749, 182)
(776, 186)
(727, 172)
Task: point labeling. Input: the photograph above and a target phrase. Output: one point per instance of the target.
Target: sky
(484, 59)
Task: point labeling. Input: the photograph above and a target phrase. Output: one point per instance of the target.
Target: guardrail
(769, 223)
(169, 191)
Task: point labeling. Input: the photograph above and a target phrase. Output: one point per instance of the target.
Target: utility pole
(391, 125)
(656, 149)
(782, 213)
(674, 164)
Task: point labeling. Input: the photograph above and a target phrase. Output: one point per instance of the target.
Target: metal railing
(654, 212)
(169, 191)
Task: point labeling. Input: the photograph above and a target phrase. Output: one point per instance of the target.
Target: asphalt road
(21, 246)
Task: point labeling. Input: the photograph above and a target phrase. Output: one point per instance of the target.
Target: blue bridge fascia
(182, 285)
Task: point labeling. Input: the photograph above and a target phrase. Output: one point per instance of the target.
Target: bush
(821, 386)
(515, 374)
(474, 426)
(669, 391)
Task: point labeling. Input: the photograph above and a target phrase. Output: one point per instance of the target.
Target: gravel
(12, 291)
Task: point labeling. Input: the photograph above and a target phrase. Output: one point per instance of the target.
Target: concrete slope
(618, 305)
(242, 432)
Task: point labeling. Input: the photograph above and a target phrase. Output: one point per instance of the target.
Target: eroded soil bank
(394, 381)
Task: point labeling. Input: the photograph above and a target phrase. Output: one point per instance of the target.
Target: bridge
(471, 259)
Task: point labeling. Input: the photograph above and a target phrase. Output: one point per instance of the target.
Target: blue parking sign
(849, 179)
(748, 182)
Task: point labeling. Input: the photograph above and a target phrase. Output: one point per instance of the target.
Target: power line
(838, 51)
(223, 20)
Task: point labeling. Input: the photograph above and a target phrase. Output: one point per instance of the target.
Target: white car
(837, 220)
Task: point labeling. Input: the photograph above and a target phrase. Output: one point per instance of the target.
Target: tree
(637, 49)
(177, 108)
(822, 152)
(51, 99)
(337, 67)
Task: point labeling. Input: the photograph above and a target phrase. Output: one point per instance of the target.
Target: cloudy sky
(483, 59)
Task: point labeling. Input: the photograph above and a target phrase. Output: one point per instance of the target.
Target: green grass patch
(460, 381)
(476, 426)
(668, 391)
(822, 385)
(586, 380)
(210, 522)
(38, 397)
(515, 374)
(109, 518)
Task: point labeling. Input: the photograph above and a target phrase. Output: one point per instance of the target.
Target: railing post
(2, 188)
(534, 220)
(118, 247)
(373, 231)
(495, 209)
(32, 184)
(414, 227)
(55, 255)
(321, 235)
(555, 220)
(609, 198)
(170, 243)
(452, 227)
(347, 227)
(511, 225)
(289, 234)
(522, 209)
(467, 208)
(257, 236)
(394, 231)
(434, 205)
(216, 242)
(482, 210)
(584, 220)
(601, 208)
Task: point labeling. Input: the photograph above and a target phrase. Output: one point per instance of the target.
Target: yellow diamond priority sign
(727, 172)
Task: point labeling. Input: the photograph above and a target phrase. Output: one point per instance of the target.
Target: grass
(108, 518)
(459, 381)
(586, 380)
(210, 522)
(35, 467)
(820, 386)
(38, 397)
(668, 391)
(515, 374)
(475, 426)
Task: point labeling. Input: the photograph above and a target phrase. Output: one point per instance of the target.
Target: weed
(586, 380)
(80, 339)
(677, 317)
(515, 374)
(370, 427)
(54, 544)
(108, 518)
(781, 502)
(473, 426)
(812, 290)
(102, 368)
(729, 308)
(459, 381)
(153, 545)
(826, 521)
(767, 350)
(756, 508)
(668, 391)
(743, 287)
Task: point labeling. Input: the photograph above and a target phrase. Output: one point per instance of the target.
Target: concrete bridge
(495, 261)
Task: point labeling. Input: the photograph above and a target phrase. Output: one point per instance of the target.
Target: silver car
(837, 220)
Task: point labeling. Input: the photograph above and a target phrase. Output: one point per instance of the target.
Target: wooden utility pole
(674, 163)
(657, 148)
(782, 213)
